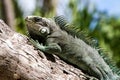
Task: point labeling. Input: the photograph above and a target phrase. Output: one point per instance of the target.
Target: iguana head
(44, 26)
(37, 25)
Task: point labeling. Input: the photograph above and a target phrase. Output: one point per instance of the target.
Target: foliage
(110, 31)
(20, 25)
(106, 29)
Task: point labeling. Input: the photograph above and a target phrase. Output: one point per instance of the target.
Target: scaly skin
(72, 49)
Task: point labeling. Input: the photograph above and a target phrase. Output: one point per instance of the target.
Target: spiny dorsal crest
(61, 21)
(72, 30)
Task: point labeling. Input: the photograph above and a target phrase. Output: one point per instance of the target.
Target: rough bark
(20, 61)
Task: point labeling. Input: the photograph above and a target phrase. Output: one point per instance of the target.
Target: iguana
(51, 36)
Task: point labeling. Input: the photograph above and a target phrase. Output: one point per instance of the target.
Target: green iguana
(55, 39)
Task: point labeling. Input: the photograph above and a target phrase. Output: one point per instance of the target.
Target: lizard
(48, 37)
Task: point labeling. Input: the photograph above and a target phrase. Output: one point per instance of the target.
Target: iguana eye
(37, 19)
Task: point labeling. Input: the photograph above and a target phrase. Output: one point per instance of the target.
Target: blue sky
(111, 6)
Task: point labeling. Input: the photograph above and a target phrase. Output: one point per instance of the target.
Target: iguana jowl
(70, 48)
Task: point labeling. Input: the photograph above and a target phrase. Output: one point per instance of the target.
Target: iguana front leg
(50, 48)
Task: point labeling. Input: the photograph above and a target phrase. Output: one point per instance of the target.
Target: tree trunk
(20, 61)
(49, 7)
(8, 12)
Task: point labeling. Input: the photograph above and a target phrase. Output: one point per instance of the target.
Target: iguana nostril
(26, 18)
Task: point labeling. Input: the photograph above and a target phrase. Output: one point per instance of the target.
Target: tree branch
(19, 60)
